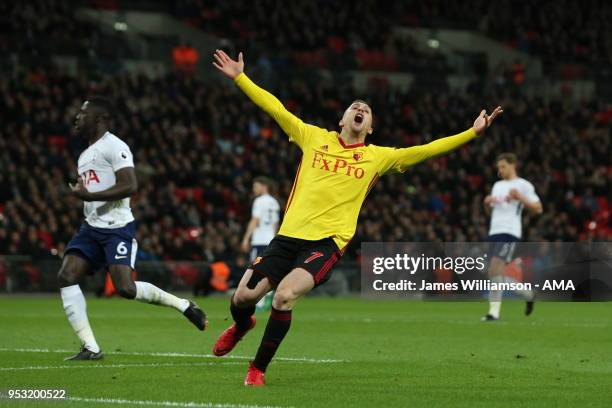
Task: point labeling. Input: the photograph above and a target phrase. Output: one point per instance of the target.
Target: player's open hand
(78, 190)
(483, 121)
(227, 65)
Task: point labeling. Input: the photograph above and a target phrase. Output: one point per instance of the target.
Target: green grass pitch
(339, 352)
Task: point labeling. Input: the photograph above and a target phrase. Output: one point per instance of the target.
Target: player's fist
(488, 200)
(228, 66)
(483, 121)
(245, 247)
(78, 190)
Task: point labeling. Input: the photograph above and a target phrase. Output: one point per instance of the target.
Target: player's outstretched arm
(409, 156)
(125, 185)
(234, 70)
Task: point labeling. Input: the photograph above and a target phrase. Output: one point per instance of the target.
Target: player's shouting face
(358, 118)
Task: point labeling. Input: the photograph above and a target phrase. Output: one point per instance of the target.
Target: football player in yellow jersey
(335, 174)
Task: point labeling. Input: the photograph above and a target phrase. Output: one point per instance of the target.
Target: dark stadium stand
(197, 146)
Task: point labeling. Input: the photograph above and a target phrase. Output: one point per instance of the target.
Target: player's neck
(351, 138)
(97, 135)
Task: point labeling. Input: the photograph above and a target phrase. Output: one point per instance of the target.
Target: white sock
(148, 293)
(495, 297)
(76, 311)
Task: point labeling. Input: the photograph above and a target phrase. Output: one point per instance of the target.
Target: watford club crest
(358, 156)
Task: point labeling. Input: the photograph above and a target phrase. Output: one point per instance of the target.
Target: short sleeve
(529, 192)
(494, 188)
(258, 209)
(120, 156)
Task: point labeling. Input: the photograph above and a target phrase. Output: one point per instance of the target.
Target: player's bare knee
(127, 290)
(67, 276)
(284, 299)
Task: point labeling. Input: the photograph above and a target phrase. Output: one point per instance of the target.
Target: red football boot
(229, 338)
(254, 377)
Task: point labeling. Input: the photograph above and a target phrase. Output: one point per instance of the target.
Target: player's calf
(75, 307)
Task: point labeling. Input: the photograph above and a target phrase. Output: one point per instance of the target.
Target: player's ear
(341, 123)
(370, 130)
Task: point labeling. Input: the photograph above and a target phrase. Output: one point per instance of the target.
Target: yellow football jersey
(333, 178)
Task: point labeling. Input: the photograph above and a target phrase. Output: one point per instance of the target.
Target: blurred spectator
(185, 58)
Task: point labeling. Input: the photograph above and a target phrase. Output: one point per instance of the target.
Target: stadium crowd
(313, 33)
(38, 29)
(197, 148)
(361, 34)
(560, 30)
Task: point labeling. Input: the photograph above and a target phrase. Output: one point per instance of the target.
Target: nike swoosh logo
(120, 257)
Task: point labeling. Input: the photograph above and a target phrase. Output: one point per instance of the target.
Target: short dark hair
(509, 157)
(103, 105)
(266, 181)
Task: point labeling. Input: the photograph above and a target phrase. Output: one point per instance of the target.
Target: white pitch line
(173, 354)
(61, 367)
(177, 404)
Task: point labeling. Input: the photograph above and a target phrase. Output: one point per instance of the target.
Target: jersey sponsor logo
(90, 176)
(336, 165)
(312, 257)
(324, 147)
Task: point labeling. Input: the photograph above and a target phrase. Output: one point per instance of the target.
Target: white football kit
(266, 209)
(97, 166)
(506, 215)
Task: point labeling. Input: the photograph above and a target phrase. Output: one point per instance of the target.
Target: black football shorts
(284, 254)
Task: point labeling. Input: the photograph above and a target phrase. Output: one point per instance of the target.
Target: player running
(262, 226)
(509, 197)
(106, 239)
(336, 173)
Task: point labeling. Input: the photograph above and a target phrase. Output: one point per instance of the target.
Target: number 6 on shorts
(122, 252)
(122, 249)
